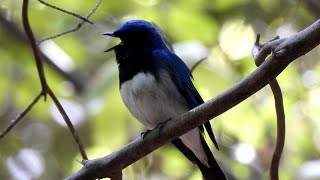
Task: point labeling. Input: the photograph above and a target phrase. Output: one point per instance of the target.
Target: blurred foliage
(41, 147)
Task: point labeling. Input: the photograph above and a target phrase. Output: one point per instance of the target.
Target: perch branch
(283, 54)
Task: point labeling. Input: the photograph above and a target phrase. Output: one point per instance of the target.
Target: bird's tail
(213, 172)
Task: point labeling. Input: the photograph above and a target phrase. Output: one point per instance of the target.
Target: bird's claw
(143, 134)
(160, 126)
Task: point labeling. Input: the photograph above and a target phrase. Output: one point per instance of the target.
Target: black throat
(131, 62)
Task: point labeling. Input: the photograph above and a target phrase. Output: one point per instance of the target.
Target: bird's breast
(152, 100)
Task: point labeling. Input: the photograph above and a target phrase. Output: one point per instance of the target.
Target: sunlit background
(86, 81)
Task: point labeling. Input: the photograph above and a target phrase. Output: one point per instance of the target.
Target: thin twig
(20, 116)
(260, 53)
(197, 64)
(78, 26)
(94, 9)
(65, 11)
(281, 129)
(45, 87)
(69, 124)
(76, 78)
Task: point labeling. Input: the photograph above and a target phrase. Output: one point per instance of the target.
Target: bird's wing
(181, 75)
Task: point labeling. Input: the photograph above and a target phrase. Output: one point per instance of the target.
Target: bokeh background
(86, 81)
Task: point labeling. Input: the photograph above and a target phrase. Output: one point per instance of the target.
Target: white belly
(152, 102)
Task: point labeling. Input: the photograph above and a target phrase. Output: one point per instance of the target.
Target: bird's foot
(160, 125)
(143, 134)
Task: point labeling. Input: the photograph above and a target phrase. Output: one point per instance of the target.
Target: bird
(156, 86)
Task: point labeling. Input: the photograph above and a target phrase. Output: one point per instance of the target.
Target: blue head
(139, 35)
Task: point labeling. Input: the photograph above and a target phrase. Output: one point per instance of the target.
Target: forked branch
(45, 87)
(75, 28)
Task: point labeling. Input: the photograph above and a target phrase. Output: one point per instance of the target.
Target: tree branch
(69, 124)
(20, 116)
(73, 77)
(27, 28)
(78, 26)
(260, 52)
(283, 54)
(45, 87)
(65, 11)
(281, 129)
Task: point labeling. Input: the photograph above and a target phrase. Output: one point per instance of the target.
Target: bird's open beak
(109, 34)
(110, 49)
(112, 35)
(113, 47)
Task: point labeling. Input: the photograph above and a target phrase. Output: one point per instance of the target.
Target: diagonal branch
(286, 52)
(69, 123)
(20, 116)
